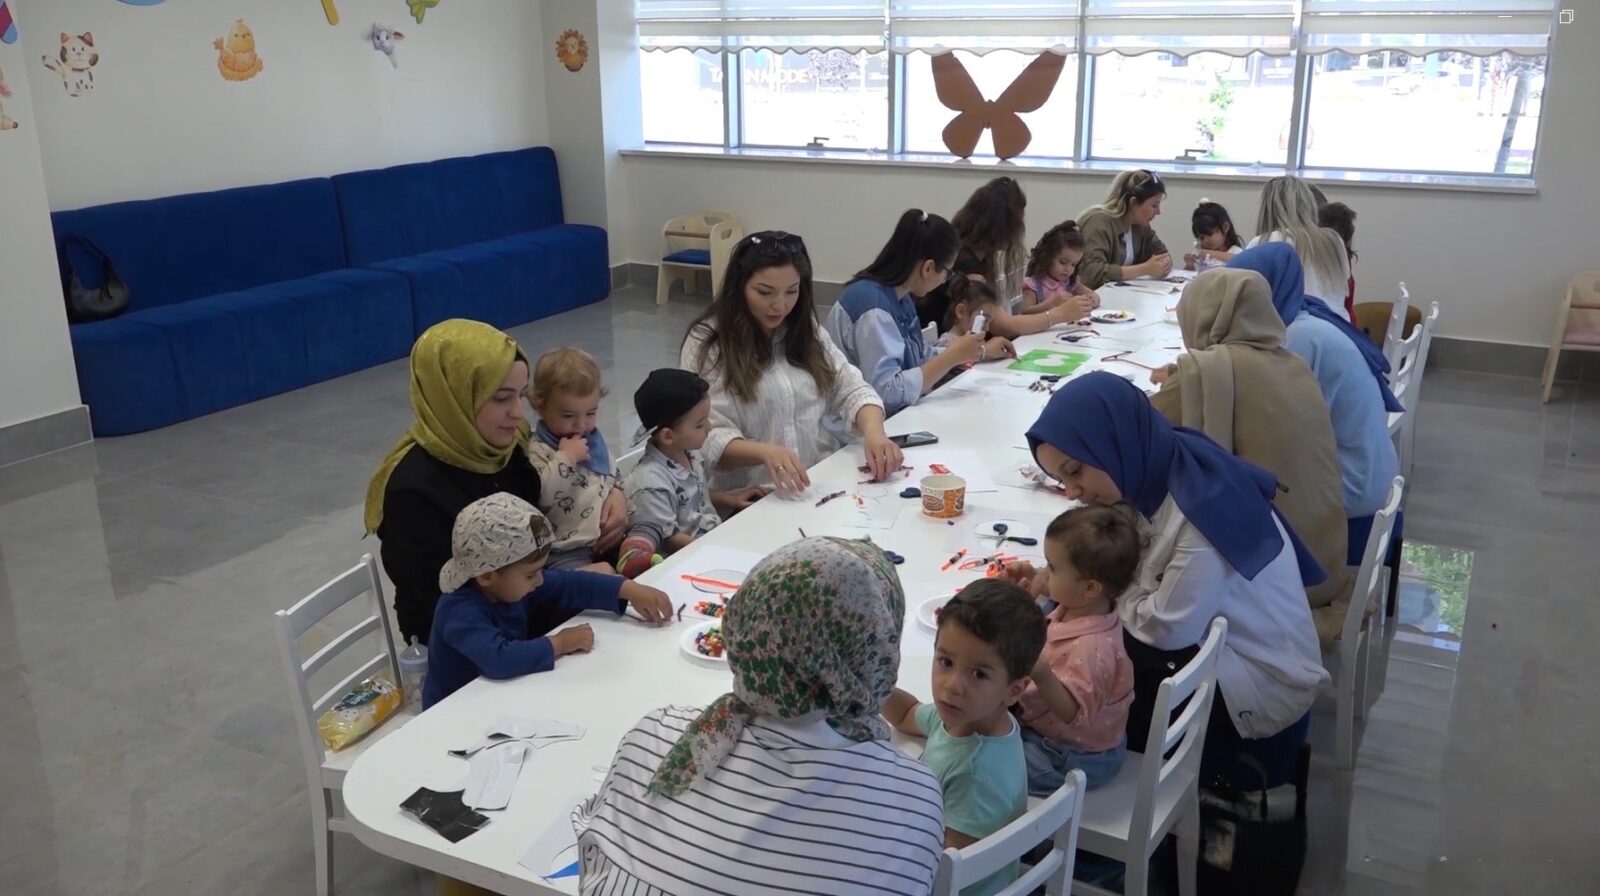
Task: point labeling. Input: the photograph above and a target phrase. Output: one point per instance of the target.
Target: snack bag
(366, 707)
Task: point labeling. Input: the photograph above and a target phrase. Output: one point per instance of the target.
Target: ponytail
(918, 236)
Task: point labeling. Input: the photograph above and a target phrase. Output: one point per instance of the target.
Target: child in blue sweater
(500, 545)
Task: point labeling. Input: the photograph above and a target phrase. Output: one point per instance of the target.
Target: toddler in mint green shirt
(990, 636)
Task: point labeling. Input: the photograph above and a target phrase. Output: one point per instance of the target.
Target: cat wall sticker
(74, 63)
(7, 123)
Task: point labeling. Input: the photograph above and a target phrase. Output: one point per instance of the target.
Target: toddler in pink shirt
(1075, 707)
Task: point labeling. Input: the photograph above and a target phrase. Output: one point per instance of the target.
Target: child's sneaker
(636, 556)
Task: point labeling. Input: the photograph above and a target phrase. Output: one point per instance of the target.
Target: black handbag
(1245, 847)
(98, 293)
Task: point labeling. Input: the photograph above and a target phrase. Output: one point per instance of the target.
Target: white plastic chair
(1396, 331)
(627, 462)
(1056, 818)
(1583, 296)
(701, 241)
(325, 769)
(1151, 796)
(1406, 383)
(1362, 628)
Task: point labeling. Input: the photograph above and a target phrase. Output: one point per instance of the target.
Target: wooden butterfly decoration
(960, 94)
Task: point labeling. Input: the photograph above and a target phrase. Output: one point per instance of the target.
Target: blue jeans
(1049, 761)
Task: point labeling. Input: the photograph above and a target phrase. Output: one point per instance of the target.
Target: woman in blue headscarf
(1352, 374)
(1216, 548)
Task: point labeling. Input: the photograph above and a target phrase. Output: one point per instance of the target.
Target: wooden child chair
(701, 241)
(1580, 333)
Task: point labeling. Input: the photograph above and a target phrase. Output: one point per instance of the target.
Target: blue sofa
(244, 293)
(479, 237)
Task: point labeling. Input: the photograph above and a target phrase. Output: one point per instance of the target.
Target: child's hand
(1077, 307)
(1021, 572)
(966, 347)
(732, 501)
(575, 449)
(999, 348)
(652, 604)
(578, 639)
(1189, 260)
(1093, 297)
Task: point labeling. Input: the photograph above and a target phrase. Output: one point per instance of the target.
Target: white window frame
(1294, 161)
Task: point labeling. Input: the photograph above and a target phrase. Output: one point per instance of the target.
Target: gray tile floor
(145, 730)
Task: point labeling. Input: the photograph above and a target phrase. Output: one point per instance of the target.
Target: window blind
(767, 24)
(1183, 27)
(1022, 25)
(1479, 27)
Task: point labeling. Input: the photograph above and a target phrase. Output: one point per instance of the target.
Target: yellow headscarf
(456, 366)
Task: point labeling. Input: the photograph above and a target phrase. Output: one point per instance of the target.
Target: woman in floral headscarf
(789, 783)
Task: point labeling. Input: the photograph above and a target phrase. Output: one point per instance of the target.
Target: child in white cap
(500, 545)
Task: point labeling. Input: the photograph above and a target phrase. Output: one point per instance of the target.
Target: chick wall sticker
(236, 53)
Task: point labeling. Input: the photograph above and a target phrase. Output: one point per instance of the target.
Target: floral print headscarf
(815, 627)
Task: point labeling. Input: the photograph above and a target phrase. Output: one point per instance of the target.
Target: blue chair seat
(690, 256)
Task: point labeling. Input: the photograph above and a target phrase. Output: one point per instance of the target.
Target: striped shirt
(796, 808)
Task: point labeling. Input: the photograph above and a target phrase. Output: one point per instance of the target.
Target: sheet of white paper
(554, 856)
(492, 775)
(875, 506)
(1160, 333)
(518, 726)
(959, 461)
(995, 383)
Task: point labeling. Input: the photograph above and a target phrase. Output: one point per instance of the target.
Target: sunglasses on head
(767, 241)
(1149, 187)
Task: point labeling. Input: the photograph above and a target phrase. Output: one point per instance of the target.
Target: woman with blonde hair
(1288, 214)
(1119, 242)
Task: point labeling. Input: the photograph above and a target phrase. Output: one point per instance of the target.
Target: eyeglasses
(766, 241)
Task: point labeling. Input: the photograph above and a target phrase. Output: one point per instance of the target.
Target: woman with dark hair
(1119, 242)
(990, 227)
(776, 376)
(875, 320)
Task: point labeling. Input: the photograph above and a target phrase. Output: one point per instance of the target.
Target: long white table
(635, 668)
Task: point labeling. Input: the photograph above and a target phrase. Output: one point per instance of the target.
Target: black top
(934, 305)
(420, 505)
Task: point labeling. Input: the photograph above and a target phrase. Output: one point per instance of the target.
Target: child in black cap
(669, 504)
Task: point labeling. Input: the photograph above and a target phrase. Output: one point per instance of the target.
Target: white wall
(1497, 264)
(161, 120)
(36, 373)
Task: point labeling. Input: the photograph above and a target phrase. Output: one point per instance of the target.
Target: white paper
(556, 850)
(960, 461)
(492, 775)
(518, 726)
(996, 383)
(875, 506)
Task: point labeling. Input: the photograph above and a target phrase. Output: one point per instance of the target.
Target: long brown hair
(991, 225)
(733, 340)
(1062, 236)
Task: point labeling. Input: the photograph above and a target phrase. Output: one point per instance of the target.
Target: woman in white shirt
(1217, 548)
(776, 376)
(788, 784)
(1288, 214)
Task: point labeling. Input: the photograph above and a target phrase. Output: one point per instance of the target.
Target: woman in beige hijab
(1241, 387)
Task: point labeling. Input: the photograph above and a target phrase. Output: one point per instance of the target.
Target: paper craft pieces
(492, 775)
(1047, 360)
(445, 813)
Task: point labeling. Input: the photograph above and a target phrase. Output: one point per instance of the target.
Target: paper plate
(686, 645)
(928, 612)
(1112, 316)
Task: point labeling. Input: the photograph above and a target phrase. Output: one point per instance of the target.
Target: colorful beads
(709, 642)
(711, 608)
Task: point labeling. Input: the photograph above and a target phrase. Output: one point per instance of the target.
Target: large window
(820, 98)
(1440, 112)
(1208, 107)
(681, 92)
(1448, 86)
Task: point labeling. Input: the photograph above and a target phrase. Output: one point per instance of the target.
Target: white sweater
(788, 410)
(1331, 293)
(1271, 664)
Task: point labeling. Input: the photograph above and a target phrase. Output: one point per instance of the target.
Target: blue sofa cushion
(350, 320)
(689, 256)
(127, 377)
(410, 210)
(187, 247)
(207, 345)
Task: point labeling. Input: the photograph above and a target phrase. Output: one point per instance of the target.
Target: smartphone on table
(914, 439)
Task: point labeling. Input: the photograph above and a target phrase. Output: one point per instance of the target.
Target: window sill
(1097, 168)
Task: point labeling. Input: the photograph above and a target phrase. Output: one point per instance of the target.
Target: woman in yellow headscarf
(466, 442)
(1255, 398)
